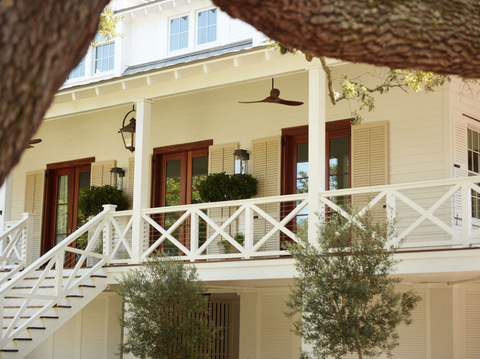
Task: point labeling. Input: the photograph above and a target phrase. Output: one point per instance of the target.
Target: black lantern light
(128, 132)
(116, 178)
(241, 161)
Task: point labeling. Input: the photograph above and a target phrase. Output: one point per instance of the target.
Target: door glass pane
(61, 213)
(62, 191)
(172, 198)
(302, 167)
(83, 182)
(199, 172)
(338, 161)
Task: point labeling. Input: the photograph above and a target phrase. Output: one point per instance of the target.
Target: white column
(6, 201)
(142, 165)
(316, 147)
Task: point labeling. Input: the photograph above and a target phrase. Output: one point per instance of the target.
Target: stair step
(9, 350)
(24, 339)
(28, 328)
(74, 296)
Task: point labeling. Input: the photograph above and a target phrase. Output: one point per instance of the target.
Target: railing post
(466, 213)
(27, 239)
(193, 234)
(248, 230)
(108, 240)
(391, 211)
(316, 148)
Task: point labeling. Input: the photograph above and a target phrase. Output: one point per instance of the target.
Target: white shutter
(472, 325)
(34, 196)
(93, 341)
(413, 338)
(131, 179)
(266, 168)
(220, 159)
(369, 161)
(460, 158)
(100, 173)
(64, 339)
(276, 339)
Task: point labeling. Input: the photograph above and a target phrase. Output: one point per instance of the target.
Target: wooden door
(176, 183)
(62, 216)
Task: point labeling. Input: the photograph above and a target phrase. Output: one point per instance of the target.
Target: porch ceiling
(203, 74)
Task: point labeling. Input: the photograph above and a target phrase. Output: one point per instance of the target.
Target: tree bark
(442, 36)
(40, 42)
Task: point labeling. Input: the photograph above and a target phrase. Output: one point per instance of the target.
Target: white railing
(208, 231)
(27, 303)
(427, 215)
(16, 246)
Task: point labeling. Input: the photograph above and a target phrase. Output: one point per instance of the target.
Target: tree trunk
(41, 42)
(431, 35)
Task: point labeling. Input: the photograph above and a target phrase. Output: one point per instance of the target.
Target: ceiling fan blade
(30, 146)
(288, 103)
(35, 141)
(264, 100)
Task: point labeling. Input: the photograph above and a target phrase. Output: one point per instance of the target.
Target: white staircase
(38, 300)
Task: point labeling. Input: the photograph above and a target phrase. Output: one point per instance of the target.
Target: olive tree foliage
(166, 312)
(348, 88)
(345, 292)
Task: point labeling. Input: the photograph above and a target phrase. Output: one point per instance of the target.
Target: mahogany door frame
(50, 190)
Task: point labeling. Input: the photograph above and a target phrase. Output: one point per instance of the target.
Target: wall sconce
(241, 161)
(116, 178)
(128, 132)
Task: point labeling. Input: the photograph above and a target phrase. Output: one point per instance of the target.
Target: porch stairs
(37, 327)
(37, 299)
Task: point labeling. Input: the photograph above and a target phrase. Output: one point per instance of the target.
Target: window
(473, 167)
(179, 33)
(78, 71)
(207, 26)
(104, 54)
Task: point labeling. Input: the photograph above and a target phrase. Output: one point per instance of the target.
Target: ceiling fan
(274, 98)
(33, 142)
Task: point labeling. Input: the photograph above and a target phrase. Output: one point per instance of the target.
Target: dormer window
(104, 54)
(78, 71)
(207, 26)
(179, 33)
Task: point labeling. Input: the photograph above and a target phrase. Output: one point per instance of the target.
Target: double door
(62, 215)
(176, 179)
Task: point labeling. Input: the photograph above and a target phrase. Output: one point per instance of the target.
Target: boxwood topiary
(92, 198)
(218, 187)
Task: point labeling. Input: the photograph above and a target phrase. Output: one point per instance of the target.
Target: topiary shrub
(218, 187)
(92, 199)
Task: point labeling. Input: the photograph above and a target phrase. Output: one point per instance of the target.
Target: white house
(184, 66)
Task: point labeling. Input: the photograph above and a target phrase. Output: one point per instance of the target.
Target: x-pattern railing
(246, 214)
(16, 246)
(449, 192)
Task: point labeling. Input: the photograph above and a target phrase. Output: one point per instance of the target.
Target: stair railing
(50, 266)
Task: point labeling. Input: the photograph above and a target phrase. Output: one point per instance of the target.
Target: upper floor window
(78, 71)
(207, 26)
(104, 54)
(179, 33)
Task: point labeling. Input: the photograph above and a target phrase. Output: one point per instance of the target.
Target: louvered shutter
(266, 167)
(471, 324)
(220, 159)
(370, 162)
(34, 195)
(100, 172)
(460, 160)
(93, 340)
(276, 339)
(131, 179)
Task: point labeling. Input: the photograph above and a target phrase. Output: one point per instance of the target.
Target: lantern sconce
(116, 178)
(128, 132)
(241, 161)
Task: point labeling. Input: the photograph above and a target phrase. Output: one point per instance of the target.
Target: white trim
(206, 45)
(185, 50)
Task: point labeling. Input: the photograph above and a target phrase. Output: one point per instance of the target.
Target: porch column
(6, 191)
(316, 147)
(140, 185)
